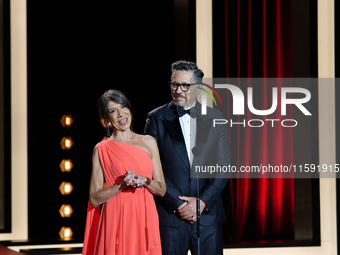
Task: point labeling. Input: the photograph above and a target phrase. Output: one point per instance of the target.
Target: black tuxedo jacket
(211, 148)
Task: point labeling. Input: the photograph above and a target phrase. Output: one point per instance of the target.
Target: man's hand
(187, 211)
(181, 206)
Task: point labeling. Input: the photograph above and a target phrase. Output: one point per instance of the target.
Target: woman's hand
(156, 185)
(134, 180)
(98, 194)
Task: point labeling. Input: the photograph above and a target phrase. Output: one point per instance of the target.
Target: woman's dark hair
(183, 65)
(117, 97)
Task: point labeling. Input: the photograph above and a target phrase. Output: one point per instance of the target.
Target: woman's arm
(98, 194)
(156, 185)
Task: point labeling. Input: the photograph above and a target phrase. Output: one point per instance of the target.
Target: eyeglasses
(184, 87)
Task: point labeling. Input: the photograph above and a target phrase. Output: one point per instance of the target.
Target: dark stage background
(76, 51)
(5, 120)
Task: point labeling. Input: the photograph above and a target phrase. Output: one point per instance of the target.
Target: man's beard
(181, 104)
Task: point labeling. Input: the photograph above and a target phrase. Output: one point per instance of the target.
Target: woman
(129, 163)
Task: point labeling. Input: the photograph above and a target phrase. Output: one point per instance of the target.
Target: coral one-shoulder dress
(128, 223)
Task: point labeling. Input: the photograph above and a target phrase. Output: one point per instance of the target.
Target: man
(180, 151)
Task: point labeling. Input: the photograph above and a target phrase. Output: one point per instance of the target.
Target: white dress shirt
(188, 125)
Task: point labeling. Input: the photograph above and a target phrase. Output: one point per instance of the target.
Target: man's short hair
(183, 65)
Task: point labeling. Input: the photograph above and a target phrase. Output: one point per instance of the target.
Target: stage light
(109, 125)
(66, 143)
(104, 125)
(65, 233)
(66, 211)
(66, 248)
(66, 120)
(65, 188)
(66, 165)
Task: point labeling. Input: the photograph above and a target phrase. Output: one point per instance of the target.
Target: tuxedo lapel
(173, 128)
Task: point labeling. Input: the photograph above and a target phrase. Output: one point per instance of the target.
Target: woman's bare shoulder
(149, 140)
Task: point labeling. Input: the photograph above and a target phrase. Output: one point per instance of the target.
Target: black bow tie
(181, 111)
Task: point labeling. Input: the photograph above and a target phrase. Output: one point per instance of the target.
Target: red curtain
(258, 36)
